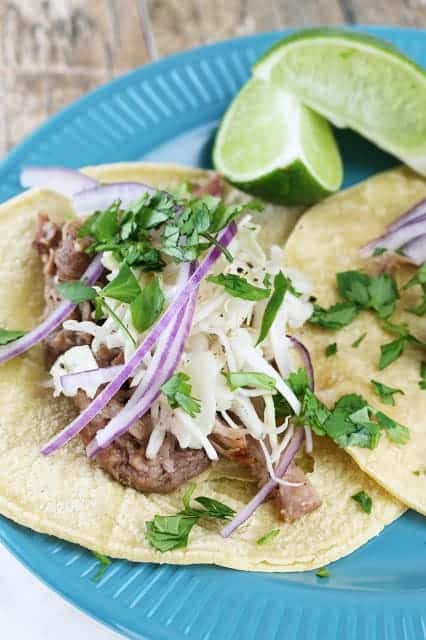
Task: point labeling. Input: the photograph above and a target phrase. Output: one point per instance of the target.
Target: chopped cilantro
(396, 432)
(335, 317)
(147, 306)
(299, 381)
(364, 501)
(323, 573)
(177, 390)
(165, 533)
(76, 291)
(124, 287)
(267, 537)
(384, 392)
(239, 287)
(391, 352)
(282, 284)
(9, 335)
(250, 379)
(422, 381)
(105, 562)
(331, 349)
(379, 251)
(418, 279)
(379, 293)
(358, 341)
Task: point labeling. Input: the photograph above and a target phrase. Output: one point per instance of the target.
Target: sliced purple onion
(102, 196)
(286, 459)
(130, 367)
(150, 387)
(397, 238)
(306, 358)
(72, 382)
(415, 250)
(64, 181)
(415, 212)
(56, 318)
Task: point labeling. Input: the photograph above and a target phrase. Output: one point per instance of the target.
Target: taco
(147, 457)
(378, 328)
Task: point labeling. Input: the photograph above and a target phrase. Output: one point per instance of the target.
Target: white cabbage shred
(223, 338)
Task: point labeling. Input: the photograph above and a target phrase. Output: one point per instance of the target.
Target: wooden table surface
(52, 51)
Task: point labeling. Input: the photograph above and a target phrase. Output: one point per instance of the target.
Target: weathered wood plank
(53, 52)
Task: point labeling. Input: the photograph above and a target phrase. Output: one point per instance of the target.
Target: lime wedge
(272, 146)
(355, 81)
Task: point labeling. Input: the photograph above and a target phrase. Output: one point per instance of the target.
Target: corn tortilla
(326, 241)
(67, 496)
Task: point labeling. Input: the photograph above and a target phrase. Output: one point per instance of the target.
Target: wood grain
(52, 51)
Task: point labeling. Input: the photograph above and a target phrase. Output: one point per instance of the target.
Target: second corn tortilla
(326, 241)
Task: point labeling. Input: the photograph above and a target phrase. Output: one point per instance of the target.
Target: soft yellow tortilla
(67, 496)
(325, 241)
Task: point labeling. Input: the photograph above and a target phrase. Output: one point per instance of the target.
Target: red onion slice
(415, 212)
(64, 181)
(306, 358)
(397, 238)
(142, 400)
(130, 367)
(102, 196)
(415, 250)
(56, 318)
(286, 459)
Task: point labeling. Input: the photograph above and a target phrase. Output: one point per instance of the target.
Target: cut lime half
(272, 146)
(355, 81)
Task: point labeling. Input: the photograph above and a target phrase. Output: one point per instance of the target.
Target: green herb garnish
(124, 287)
(282, 284)
(105, 562)
(267, 537)
(331, 349)
(76, 291)
(393, 350)
(323, 573)
(422, 381)
(177, 390)
(250, 379)
(335, 317)
(165, 533)
(384, 392)
(9, 335)
(418, 279)
(378, 293)
(239, 287)
(364, 501)
(146, 308)
(379, 251)
(358, 341)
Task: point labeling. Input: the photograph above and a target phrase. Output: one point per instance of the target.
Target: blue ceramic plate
(169, 111)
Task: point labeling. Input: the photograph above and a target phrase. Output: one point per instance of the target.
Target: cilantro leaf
(165, 533)
(105, 562)
(422, 381)
(353, 287)
(124, 287)
(177, 390)
(379, 251)
(331, 349)
(335, 317)
(396, 432)
(364, 501)
(239, 287)
(267, 537)
(391, 352)
(76, 291)
(250, 379)
(323, 572)
(383, 292)
(358, 341)
(282, 284)
(9, 335)
(146, 308)
(299, 381)
(384, 392)
(315, 412)
(419, 278)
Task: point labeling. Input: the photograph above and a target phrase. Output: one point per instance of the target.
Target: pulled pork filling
(64, 258)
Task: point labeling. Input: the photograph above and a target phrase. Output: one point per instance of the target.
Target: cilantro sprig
(177, 390)
(391, 351)
(165, 533)
(385, 393)
(364, 500)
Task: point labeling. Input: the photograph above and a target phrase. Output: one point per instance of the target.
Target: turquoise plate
(169, 111)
